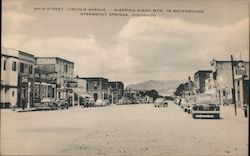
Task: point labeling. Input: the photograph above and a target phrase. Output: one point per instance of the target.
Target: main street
(133, 130)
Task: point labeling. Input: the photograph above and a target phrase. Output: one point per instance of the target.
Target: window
(21, 68)
(13, 66)
(65, 69)
(13, 93)
(4, 65)
(30, 69)
(224, 93)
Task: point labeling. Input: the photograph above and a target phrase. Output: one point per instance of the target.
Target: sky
(168, 46)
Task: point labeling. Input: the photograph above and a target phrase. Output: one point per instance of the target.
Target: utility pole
(233, 91)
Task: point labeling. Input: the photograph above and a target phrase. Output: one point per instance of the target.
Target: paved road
(132, 130)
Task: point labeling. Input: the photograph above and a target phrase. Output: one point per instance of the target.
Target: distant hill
(162, 87)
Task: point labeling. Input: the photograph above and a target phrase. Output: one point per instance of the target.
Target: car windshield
(159, 99)
(46, 100)
(205, 98)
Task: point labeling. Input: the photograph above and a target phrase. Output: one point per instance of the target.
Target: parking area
(139, 129)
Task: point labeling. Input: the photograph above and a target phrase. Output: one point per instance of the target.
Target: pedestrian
(179, 101)
(23, 101)
(245, 110)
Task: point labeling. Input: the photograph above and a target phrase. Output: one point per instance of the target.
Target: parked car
(107, 101)
(124, 101)
(46, 104)
(184, 104)
(205, 105)
(160, 102)
(177, 101)
(89, 102)
(100, 102)
(63, 104)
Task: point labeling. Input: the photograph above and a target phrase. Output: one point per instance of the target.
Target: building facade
(78, 92)
(223, 80)
(44, 85)
(26, 79)
(17, 78)
(61, 69)
(200, 80)
(9, 77)
(116, 89)
(97, 87)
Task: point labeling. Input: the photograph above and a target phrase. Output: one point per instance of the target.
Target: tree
(179, 90)
(152, 93)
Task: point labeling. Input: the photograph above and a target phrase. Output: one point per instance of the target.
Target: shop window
(13, 66)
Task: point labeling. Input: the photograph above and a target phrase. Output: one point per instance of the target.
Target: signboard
(72, 84)
(240, 69)
(24, 79)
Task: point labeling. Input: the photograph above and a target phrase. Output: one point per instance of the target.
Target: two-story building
(44, 85)
(78, 91)
(62, 71)
(223, 81)
(97, 87)
(17, 78)
(200, 80)
(116, 89)
(9, 77)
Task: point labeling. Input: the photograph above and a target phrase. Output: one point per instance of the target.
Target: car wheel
(193, 115)
(217, 116)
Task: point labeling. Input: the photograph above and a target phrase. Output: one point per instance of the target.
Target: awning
(84, 95)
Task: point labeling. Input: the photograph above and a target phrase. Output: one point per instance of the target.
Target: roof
(91, 78)
(203, 71)
(55, 58)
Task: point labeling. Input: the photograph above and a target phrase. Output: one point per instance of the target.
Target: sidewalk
(228, 112)
(25, 110)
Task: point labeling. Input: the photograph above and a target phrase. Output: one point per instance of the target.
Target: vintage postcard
(125, 78)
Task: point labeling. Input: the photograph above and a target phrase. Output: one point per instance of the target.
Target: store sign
(72, 84)
(240, 69)
(24, 80)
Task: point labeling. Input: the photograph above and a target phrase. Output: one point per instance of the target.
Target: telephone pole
(233, 90)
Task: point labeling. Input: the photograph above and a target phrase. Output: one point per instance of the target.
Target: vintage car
(205, 105)
(184, 104)
(100, 102)
(46, 104)
(124, 101)
(89, 102)
(63, 104)
(160, 102)
(177, 101)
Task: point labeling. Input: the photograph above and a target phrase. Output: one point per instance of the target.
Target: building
(97, 87)
(116, 89)
(79, 91)
(17, 78)
(223, 81)
(9, 77)
(26, 64)
(200, 80)
(44, 85)
(61, 69)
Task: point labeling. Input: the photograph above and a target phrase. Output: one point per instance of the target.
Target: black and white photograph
(124, 78)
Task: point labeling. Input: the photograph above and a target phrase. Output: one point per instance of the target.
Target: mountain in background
(165, 88)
